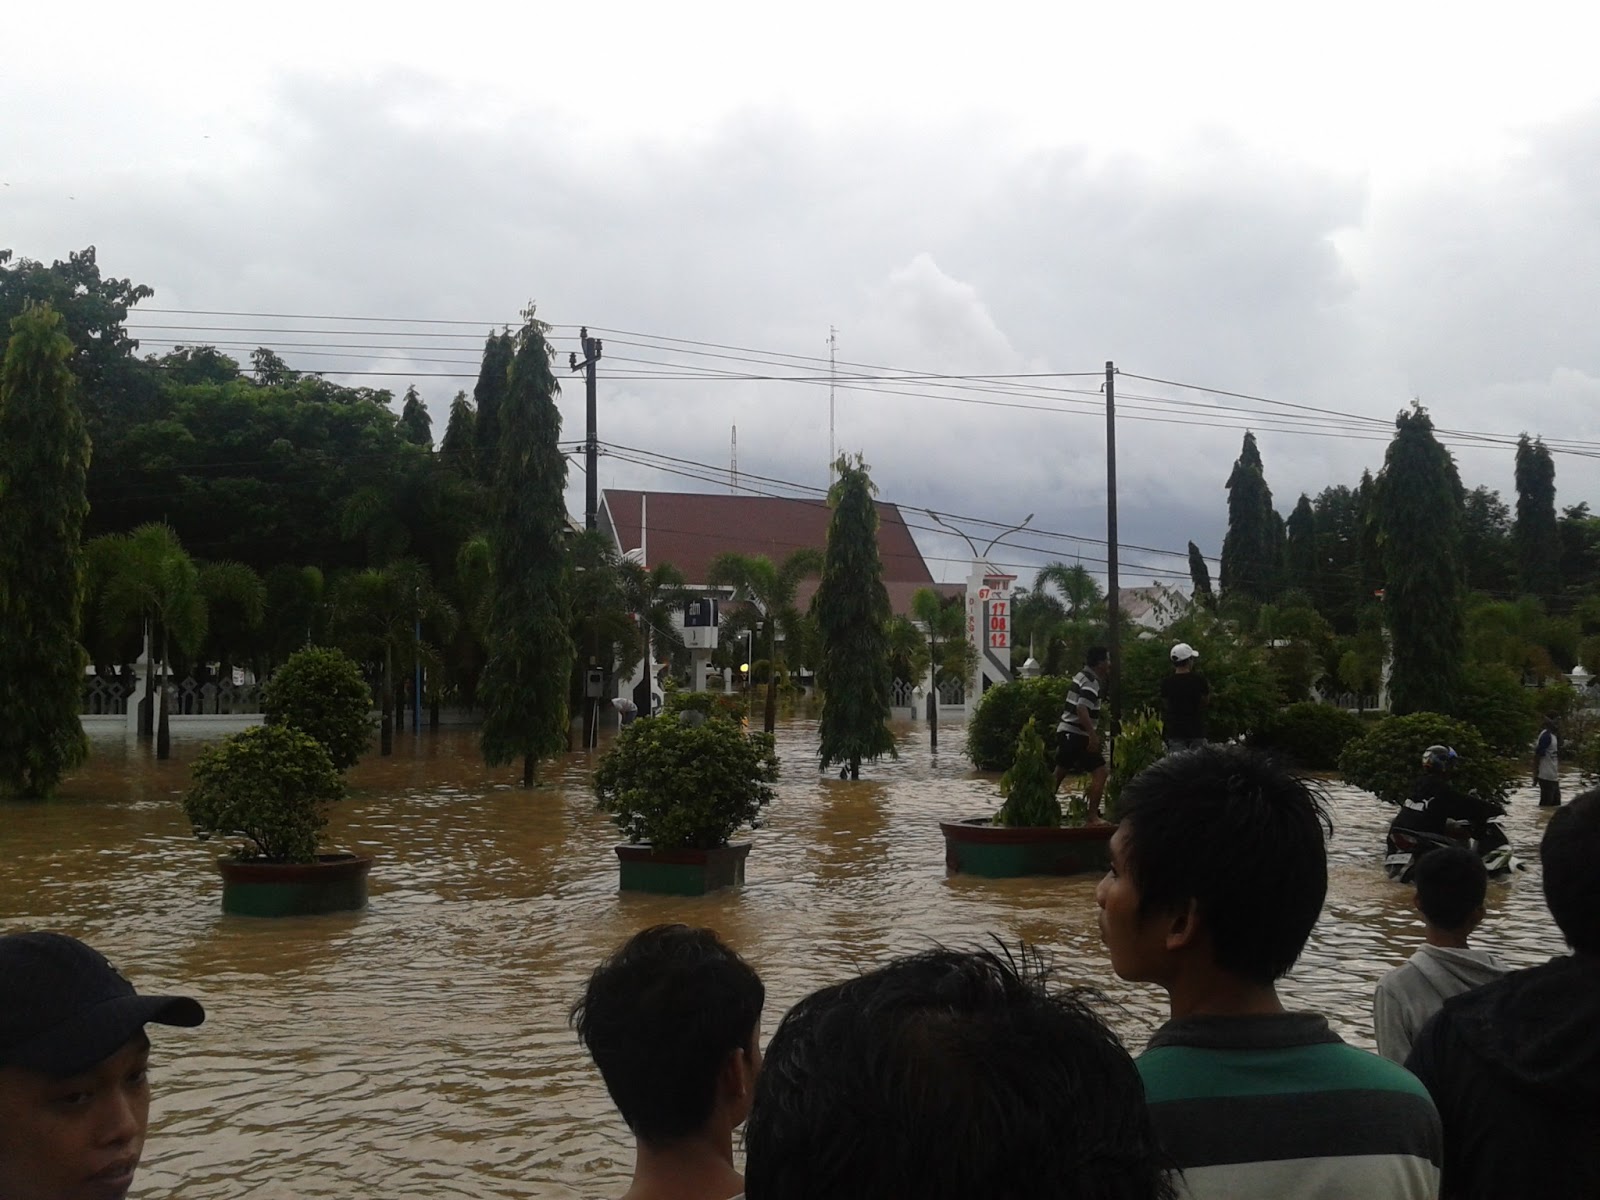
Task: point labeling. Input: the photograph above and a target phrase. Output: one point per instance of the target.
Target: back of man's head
(1451, 884)
(1096, 656)
(661, 1016)
(1240, 836)
(1570, 852)
(948, 1074)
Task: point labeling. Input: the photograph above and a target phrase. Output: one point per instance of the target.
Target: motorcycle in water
(1493, 845)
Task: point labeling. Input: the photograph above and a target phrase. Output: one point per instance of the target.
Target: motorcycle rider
(1422, 824)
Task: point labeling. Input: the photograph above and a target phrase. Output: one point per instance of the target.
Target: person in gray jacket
(1451, 884)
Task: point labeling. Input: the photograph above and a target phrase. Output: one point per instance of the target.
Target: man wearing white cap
(1184, 695)
(74, 1092)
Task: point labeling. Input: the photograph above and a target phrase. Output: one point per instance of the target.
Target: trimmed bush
(320, 691)
(709, 704)
(679, 786)
(1029, 785)
(269, 785)
(1310, 735)
(1003, 711)
(1388, 760)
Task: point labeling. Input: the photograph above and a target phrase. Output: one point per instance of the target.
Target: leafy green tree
(1250, 551)
(1486, 546)
(908, 649)
(1200, 576)
(490, 394)
(1418, 505)
(1029, 785)
(236, 607)
(528, 634)
(195, 364)
(415, 423)
(154, 580)
(852, 608)
(269, 785)
(44, 460)
(1337, 513)
(1387, 759)
(1536, 534)
(654, 595)
(1580, 548)
(459, 447)
(1302, 557)
(770, 589)
(320, 691)
(296, 611)
(1081, 593)
(269, 368)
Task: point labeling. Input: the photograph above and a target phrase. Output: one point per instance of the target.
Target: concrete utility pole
(1113, 599)
(591, 446)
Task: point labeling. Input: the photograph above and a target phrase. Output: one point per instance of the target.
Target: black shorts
(1074, 756)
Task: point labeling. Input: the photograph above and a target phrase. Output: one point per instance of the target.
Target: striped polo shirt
(1280, 1107)
(1085, 690)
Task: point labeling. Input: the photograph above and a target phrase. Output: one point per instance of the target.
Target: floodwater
(420, 1048)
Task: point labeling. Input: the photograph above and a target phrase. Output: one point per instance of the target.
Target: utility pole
(1113, 639)
(833, 455)
(591, 446)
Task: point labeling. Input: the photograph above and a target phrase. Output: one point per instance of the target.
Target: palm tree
(654, 595)
(1079, 589)
(771, 589)
(150, 577)
(946, 623)
(236, 603)
(375, 616)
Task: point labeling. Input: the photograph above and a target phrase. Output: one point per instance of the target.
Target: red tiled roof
(689, 529)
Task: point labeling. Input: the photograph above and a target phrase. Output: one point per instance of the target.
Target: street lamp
(971, 545)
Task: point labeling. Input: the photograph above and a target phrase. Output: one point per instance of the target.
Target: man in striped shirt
(1218, 873)
(1078, 747)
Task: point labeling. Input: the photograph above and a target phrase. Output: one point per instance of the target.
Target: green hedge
(1310, 735)
(1387, 760)
(1003, 711)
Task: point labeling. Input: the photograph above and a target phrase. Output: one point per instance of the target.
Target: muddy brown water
(420, 1048)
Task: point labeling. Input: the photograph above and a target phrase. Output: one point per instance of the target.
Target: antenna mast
(733, 463)
(833, 341)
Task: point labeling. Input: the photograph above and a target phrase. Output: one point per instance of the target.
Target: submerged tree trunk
(527, 770)
(386, 723)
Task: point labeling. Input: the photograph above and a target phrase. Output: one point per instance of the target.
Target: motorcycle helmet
(1438, 758)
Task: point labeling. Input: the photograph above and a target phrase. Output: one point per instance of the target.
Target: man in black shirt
(1423, 822)
(1184, 694)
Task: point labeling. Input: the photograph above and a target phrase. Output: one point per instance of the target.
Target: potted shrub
(679, 790)
(320, 691)
(270, 787)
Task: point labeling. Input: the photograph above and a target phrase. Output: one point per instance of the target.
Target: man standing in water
(1078, 751)
(673, 1020)
(1547, 765)
(1184, 695)
(74, 1088)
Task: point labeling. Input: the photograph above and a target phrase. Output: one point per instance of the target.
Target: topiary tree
(269, 785)
(320, 691)
(1387, 760)
(1029, 785)
(679, 786)
(1002, 712)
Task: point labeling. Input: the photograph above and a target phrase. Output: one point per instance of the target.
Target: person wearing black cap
(74, 1095)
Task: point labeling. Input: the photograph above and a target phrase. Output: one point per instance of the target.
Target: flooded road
(420, 1048)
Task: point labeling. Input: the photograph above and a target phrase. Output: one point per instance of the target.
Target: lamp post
(971, 545)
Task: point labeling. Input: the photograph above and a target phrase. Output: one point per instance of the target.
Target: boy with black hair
(1451, 883)
(947, 1076)
(673, 1021)
(1078, 750)
(1515, 1066)
(1218, 874)
(74, 1058)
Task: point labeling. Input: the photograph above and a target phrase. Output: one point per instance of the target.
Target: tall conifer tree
(852, 609)
(1302, 554)
(1536, 534)
(416, 426)
(1417, 505)
(44, 462)
(525, 680)
(489, 394)
(459, 446)
(1199, 575)
(1251, 551)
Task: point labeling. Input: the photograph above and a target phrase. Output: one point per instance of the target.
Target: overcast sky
(1341, 207)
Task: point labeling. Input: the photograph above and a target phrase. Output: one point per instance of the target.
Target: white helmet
(1183, 652)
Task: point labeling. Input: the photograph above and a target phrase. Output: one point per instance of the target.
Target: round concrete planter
(681, 872)
(975, 847)
(334, 883)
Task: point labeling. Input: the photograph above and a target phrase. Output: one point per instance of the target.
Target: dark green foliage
(769, 590)
(709, 704)
(1244, 686)
(459, 446)
(1310, 735)
(416, 426)
(1486, 547)
(1580, 549)
(524, 689)
(1301, 554)
(1138, 744)
(1536, 535)
(270, 786)
(489, 396)
(1387, 760)
(1003, 711)
(320, 692)
(1251, 550)
(679, 786)
(1418, 505)
(1029, 784)
(44, 460)
(852, 610)
(1199, 575)
(1493, 701)
(1337, 514)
